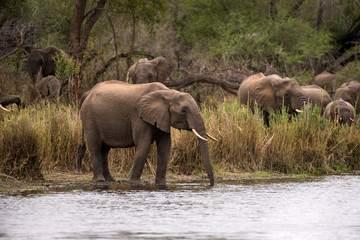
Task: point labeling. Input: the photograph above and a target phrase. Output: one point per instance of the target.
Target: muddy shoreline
(60, 181)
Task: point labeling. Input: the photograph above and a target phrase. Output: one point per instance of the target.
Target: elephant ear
(49, 64)
(163, 68)
(154, 109)
(131, 73)
(264, 94)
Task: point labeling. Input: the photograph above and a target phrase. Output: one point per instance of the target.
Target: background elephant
(48, 87)
(341, 110)
(120, 115)
(6, 99)
(349, 92)
(327, 81)
(271, 93)
(317, 96)
(41, 61)
(145, 71)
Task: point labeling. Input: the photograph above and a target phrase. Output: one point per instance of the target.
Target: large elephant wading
(271, 93)
(145, 71)
(120, 115)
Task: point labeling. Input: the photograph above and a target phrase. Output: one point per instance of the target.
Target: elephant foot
(109, 178)
(161, 182)
(135, 181)
(98, 179)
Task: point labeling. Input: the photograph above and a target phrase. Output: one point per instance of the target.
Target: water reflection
(322, 208)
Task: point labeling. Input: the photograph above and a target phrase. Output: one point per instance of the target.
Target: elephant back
(247, 88)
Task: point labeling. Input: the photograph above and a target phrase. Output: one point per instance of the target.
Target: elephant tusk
(351, 119)
(3, 108)
(198, 135)
(299, 111)
(207, 134)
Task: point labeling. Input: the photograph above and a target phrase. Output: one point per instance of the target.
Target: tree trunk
(79, 36)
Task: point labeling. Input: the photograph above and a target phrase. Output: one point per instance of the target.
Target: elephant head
(349, 92)
(41, 61)
(341, 110)
(6, 99)
(165, 108)
(145, 71)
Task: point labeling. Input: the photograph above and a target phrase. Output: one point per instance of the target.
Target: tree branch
(192, 79)
(19, 45)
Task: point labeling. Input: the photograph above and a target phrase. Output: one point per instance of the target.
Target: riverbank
(39, 141)
(57, 180)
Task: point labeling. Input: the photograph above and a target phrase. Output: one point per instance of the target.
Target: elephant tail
(81, 151)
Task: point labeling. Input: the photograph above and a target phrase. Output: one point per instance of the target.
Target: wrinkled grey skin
(145, 71)
(271, 93)
(42, 59)
(350, 92)
(48, 87)
(326, 81)
(343, 111)
(120, 115)
(317, 96)
(6, 100)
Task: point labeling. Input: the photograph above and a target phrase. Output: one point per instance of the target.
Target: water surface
(321, 208)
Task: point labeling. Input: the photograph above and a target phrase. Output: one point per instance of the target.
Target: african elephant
(120, 115)
(349, 92)
(341, 110)
(271, 93)
(327, 81)
(6, 99)
(48, 87)
(317, 96)
(145, 71)
(42, 59)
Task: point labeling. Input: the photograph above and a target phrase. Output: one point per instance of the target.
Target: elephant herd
(115, 114)
(273, 93)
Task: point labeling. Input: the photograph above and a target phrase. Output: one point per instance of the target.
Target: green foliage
(235, 31)
(145, 11)
(53, 18)
(65, 67)
(351, 72)
(14, 10)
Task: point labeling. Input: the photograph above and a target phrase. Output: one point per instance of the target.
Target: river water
(318, 208)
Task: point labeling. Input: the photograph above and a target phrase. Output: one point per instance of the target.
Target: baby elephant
(48, 87)
(343, 111)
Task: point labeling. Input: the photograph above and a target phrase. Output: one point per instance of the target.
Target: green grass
(45, 137)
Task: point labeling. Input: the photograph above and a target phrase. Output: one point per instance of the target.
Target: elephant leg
(163, 152)
(95, 149)
(141, 152)
(266, 118)
(97, 166)
(105, 163)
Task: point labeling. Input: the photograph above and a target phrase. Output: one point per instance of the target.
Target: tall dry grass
(46, 137)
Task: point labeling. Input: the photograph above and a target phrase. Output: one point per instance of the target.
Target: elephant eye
(184, 110)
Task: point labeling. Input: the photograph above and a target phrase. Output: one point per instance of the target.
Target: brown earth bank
(56, 181)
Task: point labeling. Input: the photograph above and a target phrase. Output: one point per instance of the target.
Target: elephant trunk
(199, 126)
